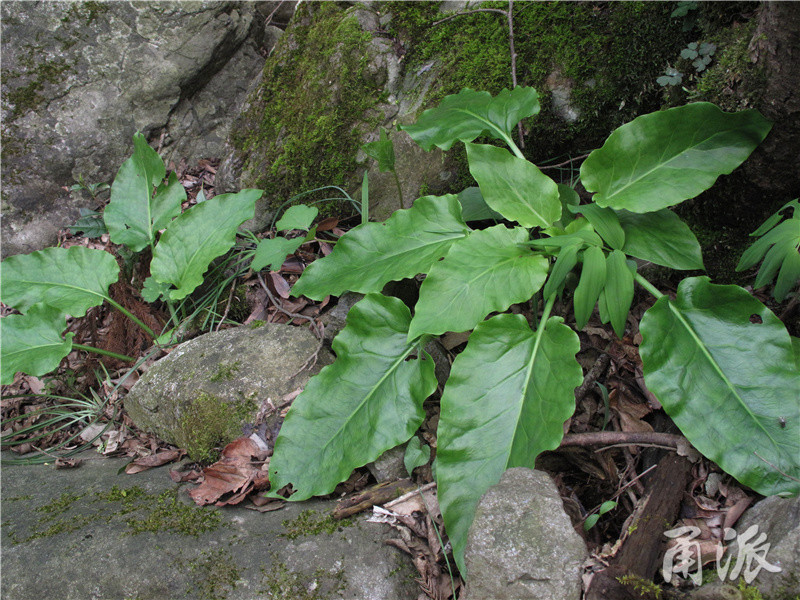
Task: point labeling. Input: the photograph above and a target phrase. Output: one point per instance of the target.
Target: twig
(405, 497)
(632, 438)
(227, 306)
(566, 162)
(623, 488)
(272, 14)
(318, 328)
(592, 376)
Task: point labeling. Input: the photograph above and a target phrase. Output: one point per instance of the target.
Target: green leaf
(134, 214)
(514, 187)
(366, 402)
(382, 151)
(796, 350)
(197, 237)
(789, 275)
(272, 252)
(568, 198)
(506, 401)
(474, 207)
(152, 290)
(566, 261)
(605, 222)
(618, 291)
(416, 454)
(777, 217)
(727, 380)
(90, 224)
(778, 246)
(661, 238)
(72, 280)
(485, 272)
(592, 282)
(32, 343)
(788, 231)
(469, 114)
(663, 158)
(607, 506)
(373, 254)
(590, 521)
(298, 216)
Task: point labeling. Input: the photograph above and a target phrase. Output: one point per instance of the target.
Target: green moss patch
(312, 522)
(302, 129)
(215, 574)
(279, 583)
(210, 423)
(139, 511)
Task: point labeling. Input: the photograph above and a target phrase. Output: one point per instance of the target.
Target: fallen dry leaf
(144, 463)
(236, 474)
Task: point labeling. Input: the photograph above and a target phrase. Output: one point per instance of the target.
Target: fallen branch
(624, 438)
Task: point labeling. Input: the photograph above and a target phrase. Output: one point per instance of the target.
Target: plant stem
(399, 191)
(172, 313)
(103, 352)
(647, 285)
(128, 314)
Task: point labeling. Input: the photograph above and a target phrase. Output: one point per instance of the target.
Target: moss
(302, 129)
(643, 587)
(257, 323)
(279, 583)
(225, 372)
(733, 81)
(611, 53)
(139, 511)
(216, 574)
(311, 522)
(86, 12)
(27, 97)
(209, 424)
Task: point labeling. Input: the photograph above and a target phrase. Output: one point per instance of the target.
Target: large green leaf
(32, 343)
(134, 213)
(373, 254)
(366, 402)
(722, 366)
(72, 280)
(197, 237)
(485, 272)
(514, 187)
(474, 207)
(663, 158)
(617, 291)
(661, 238)
(506, 401)
(469, 114)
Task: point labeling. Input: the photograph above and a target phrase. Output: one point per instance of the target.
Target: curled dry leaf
(144, 463)
(234, 476)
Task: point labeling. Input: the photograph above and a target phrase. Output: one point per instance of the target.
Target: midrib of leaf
(28, 349)
(730, 385)
(392, 255)
(64, 285)
(400, 360)
(148, 194)
(658, 166)
(528, 378)
(502, 134)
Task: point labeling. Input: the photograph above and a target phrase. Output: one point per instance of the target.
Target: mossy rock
(339, 73)
(204, 391)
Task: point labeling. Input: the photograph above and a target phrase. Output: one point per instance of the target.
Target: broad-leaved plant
(721, 364)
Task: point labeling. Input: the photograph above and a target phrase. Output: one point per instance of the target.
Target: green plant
(778, 247)
(511, 389)
(383, 151)
(700, 57)
(48, 285)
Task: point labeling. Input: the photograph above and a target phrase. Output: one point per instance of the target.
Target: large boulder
(201, 395)
(95, 532)
(341, 72)
(79, 78)
(522, 543)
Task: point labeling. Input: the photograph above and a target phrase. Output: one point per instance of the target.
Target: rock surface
(778, 520)
(79, 78)
(522, 544)
(201, 394)
(88, 533)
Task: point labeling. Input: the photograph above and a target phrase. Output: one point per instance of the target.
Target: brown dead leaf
(630, 412)
(144, 463)
(279, 285)
(68, 463)
(235, 475)
(328, 224)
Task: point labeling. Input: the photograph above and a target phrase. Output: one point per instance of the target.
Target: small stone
(522, 544)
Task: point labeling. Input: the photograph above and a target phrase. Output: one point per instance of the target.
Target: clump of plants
(719, 361)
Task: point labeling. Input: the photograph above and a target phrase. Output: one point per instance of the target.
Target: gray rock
(778, 519)
(204, 390)
(390, 465)
(70, 534)
(522, 544)
(79, 78)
